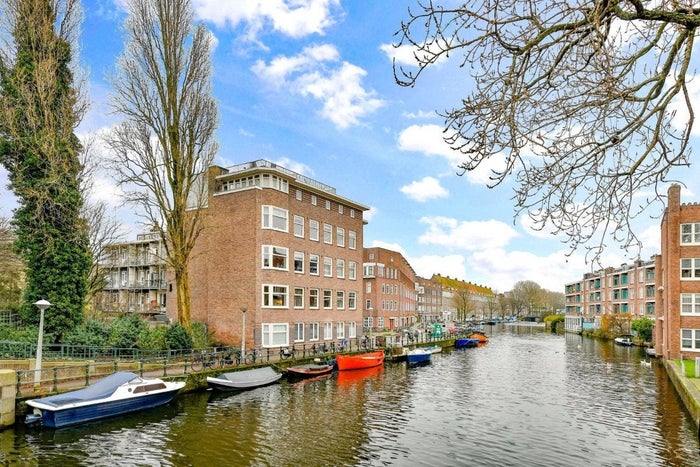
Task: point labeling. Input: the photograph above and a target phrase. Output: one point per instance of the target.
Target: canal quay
(527, 398)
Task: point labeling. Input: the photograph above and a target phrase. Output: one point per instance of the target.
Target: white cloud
(448, 265)
(298, 167)
(390, 246)
(466, 235)
(424, 190)
(370, 213)
(293, 18)
(429, 140)
(317, 72)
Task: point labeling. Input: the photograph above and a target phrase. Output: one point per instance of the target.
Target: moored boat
(245, 379)
(480, 336)
(359, 361)
(466, 342)
(310, 370)
(117, 394)
(625, 340)
(418, 355)
(433, 348)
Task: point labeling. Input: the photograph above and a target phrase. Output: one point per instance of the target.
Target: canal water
(527, 398)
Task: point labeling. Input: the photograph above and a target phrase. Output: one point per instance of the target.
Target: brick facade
(227, 273)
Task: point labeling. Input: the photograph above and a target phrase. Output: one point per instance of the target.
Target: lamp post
(243, 310)
(41, 305)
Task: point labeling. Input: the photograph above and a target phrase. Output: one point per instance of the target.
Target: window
(313, 298)
(352, 213)
(274, 257)
(275, 334)
(298, 261)
(328, 331)
(352, 270)
(690, 268)
(274, 296)
(298, 195)
(340, 300)
(380, 321)
(690, 234)
(328, 234)
(368, 321)
(313, 331)
(314, 200)
(298, 332)
(313, 230)
(352, 330)
(313, 265)
(298, 297)
(690, 303)
(328, 205)
(352, 300)
(327, 266)
(352, 240)
(340, 208)
(368, 304)
(299, 226)
(340, 330)
(274, 218)
(368, 287)
(690, 339)
(327, 299)
(340, 268)
(340, 236)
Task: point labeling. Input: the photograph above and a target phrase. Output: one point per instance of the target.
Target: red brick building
(390, 290)
(285, 248)
(677, 327)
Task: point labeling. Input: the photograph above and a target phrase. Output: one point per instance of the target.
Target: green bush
(153, 338)
(126, 331)
(177, 337)
(644, 328)
(201, 338)
(552, 321)
(91, 333)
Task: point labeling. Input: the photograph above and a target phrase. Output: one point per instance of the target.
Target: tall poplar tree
(167, 141)
(39, 111)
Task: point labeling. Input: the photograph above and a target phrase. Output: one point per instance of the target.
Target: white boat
(116, 394)
(418, 355)
(245, 379)
(433, 348)
(624, 340)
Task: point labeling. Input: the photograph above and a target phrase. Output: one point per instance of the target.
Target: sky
(309, 84)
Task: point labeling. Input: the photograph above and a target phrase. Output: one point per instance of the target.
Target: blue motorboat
(117, 394)
(466, 342)
(418, 355)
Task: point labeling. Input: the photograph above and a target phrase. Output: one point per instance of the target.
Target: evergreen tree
(39, 111)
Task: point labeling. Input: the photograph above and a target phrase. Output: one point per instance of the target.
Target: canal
(527, 398)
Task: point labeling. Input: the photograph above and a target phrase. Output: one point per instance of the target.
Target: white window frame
(340, 330)
(327, 234)
(352, 330)
(270, 253)
(275, 334)
(690, 269)
(690, 233)
(340, 268)
(340, 237)
(690, 304)
(340, 299)
(313, 331)
(299, 332)
(274, 218)
(298, 226)
(327, 299)
(314, 228)
(314, 259)
(327, 331)
(272, 292)
(314, 295)
(352, 300)
(352, 240)
(327, 266)
(352, 270)
(299, 262)
(298, 297)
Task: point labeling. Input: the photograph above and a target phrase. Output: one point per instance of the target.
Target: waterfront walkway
(687, 388)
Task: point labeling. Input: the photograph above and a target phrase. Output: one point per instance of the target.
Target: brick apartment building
(430, 308)
(135, 274)
(282, 248)
(390, 290)
(677, 329)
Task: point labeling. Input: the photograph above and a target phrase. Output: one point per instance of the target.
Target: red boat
(357, 362)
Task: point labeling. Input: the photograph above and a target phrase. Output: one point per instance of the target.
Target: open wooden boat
(359, 361)
(116, 394)
(245, 379)
(310, 370)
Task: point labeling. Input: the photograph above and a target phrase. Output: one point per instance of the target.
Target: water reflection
(526, 398)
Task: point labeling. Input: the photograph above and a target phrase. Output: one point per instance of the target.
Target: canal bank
(687, 388)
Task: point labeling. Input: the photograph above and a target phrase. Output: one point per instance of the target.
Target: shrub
(644, 328)
(177, 337)
(153, 338)
(91, 333)
(126, 330)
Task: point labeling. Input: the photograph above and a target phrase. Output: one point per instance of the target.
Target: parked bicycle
(253, 356)
(287, 352)
(205, 361)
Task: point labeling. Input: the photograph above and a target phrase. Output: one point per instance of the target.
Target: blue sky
(309, 84)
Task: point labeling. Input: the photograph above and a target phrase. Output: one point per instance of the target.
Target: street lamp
(41, 305)
(243, 310)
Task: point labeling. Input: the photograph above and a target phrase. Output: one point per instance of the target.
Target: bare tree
(166, 142)
(585, 102)
(527, 295)
(464, 301)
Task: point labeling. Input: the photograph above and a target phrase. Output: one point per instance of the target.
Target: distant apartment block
(628, 290)
(390, 290)
(463, 300)
(430, 308)
(281, 252)
(135, 276)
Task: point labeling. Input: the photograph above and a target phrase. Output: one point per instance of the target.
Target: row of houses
(283, 255)
(666, 288)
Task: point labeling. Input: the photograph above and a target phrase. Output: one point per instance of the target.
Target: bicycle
(205, 360)
(286, 352)
(227, 358)
(254, 355)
